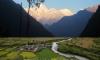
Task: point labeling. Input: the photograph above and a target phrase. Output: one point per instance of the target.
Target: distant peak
(92, 8)
(66, 12)
(46, 15)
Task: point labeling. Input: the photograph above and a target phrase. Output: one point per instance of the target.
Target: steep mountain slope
(14, 21)
(48, 16)
(93, 26)
(72, 25)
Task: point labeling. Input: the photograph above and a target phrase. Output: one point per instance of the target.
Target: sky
(73, 5)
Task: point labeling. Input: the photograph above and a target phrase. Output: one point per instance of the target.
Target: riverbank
(55, 49)
(85, 47)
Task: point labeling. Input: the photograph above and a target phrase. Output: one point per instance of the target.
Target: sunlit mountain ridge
(48, 16)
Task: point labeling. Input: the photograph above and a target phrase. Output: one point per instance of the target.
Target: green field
(86, 47)
(44, 54)
(9, 49)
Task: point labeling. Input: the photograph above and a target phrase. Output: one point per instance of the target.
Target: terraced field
(9, 49)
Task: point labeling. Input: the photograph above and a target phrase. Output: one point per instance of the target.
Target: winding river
(55, 50)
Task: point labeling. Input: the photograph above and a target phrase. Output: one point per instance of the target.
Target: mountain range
(47, 16)
(71, 25)
(63, 22)
(44, 22)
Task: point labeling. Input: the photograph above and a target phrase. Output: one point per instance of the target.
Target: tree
(31, 2)
(36, 2)
(42, 1)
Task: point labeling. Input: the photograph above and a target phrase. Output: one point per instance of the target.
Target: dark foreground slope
(93, 27)
(14, 21)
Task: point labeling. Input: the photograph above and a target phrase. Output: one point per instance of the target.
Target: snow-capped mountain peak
(66, 10)
(48, 16)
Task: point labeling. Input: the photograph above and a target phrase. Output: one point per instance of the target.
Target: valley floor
(40, 48)
(86, 47)
(23, 49)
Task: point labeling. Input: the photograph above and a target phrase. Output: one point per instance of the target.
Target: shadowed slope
(14, 21)
(93, 27)
(71, 25)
